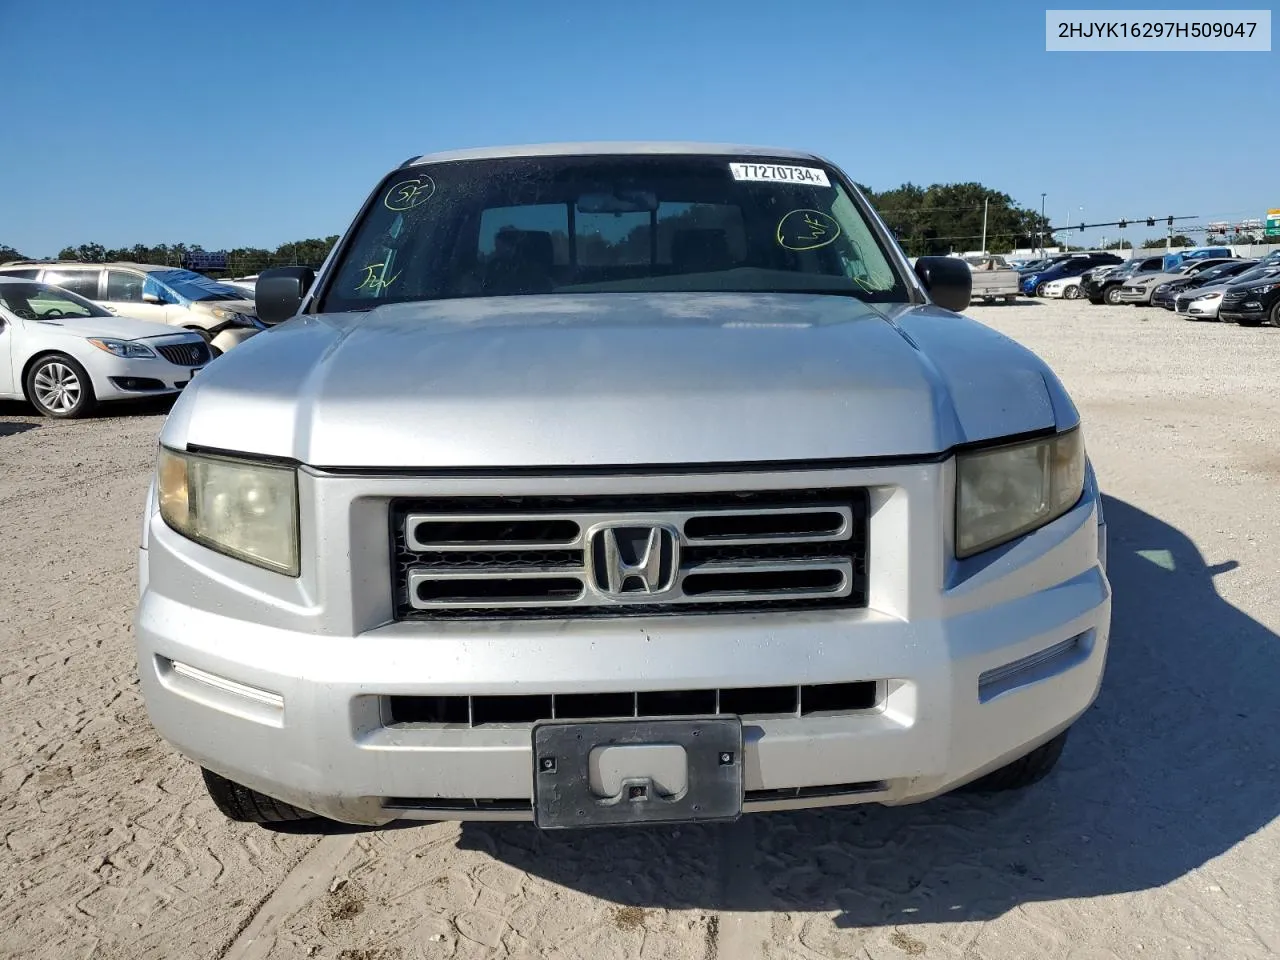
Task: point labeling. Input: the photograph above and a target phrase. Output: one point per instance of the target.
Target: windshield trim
(896, 259)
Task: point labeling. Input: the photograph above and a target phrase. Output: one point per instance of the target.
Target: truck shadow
(1175, 764)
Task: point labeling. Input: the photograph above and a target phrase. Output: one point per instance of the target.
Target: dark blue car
(1033, 283)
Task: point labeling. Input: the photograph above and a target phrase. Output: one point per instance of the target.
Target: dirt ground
(1156, 837)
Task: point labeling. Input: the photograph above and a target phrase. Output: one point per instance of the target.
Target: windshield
(1253, 276)
(633, 224)
(191, 286)
(40, 301)
(1222, 270)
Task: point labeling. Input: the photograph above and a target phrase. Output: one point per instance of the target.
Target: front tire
(1112, 296)
(1071, 293)
(1040, 288)
(1275, 314)
(1024, 771)
(59, 387)
(239, 803)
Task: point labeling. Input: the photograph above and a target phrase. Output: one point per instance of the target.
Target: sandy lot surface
(1156, 837)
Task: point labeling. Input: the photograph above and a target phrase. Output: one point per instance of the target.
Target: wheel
(988, 300)
(243, 805)
(1072, 292)
(1275, 314)
(1040, 289)
(1024, 771)
(1112, 295)
(59, 387)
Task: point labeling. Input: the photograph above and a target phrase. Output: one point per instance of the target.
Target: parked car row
(222, 315)
(1037, 275)
(1207, 284)
(65, 354)
(75, 334)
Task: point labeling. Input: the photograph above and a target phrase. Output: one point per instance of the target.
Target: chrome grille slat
(731, 551)
(586, 521)
(185, 354)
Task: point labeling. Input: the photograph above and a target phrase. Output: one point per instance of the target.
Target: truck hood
(618, 379)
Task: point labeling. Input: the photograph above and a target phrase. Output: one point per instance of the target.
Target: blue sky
(236, 123)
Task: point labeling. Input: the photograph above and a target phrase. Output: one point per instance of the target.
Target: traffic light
(1151, 222)
(1082, 228)
(1122, 224)
(1170, 221)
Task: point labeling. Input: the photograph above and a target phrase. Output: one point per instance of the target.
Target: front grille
(786, 701)
(617, 556)
(193, 354)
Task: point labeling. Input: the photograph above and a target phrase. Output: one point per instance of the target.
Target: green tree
(1179, 240)
(8, 253)
(942, 218)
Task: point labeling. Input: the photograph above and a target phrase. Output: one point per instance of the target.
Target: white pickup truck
(993, 279)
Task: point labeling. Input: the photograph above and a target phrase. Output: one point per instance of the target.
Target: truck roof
(604, 147)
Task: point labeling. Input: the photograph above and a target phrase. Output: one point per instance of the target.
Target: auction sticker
(776, 173)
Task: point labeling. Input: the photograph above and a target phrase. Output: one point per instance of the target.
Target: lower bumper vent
(793, 701)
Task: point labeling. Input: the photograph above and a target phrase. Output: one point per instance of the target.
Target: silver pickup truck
(993, 279)
(615, 484)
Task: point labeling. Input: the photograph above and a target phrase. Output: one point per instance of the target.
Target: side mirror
(279, 292)
(151, 298)
(948, 280)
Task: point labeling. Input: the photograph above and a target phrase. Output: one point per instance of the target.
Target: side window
(83, 282)
(20, 274)
(124, 287)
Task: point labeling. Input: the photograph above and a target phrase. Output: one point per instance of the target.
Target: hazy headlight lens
(1008, 491)
(122, 348)
(244, 509)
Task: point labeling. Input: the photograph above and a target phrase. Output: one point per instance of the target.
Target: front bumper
(1204, 309)
(282, 684)
(119, 379)
(230, 337)
(1139, 295)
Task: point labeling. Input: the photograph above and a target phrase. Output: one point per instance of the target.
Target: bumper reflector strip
(1038, 666)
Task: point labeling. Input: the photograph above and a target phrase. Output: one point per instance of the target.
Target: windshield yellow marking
(807, 230)
(374, 282)
(408, 194)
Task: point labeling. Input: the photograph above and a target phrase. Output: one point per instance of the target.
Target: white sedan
(65, 354)
(1066, 288)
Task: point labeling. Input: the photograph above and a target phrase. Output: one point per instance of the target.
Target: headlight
(1005, 492)
(1163, 288)
(1265, 288)
(245, 509)
(1207, 296)
(122, 348)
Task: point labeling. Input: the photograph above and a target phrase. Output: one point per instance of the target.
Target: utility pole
(985, 201)
(1040, 231)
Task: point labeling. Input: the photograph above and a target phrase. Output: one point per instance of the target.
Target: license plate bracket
(578, 766)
